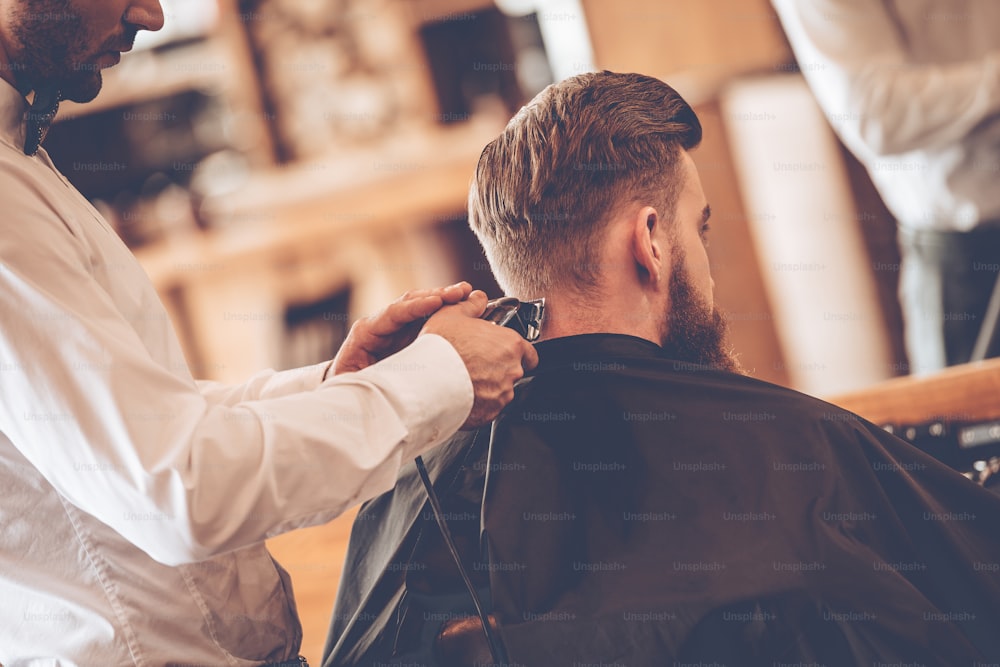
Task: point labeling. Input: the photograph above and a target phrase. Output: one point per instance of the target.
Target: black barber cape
(643, 511)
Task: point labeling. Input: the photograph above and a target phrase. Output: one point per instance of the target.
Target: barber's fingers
(474, 305)
(450, 294)
(415, 306)
(529, 356)
(399, 314)
(455, 293)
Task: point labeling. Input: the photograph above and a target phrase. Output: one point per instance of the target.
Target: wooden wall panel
(713, 38)
(739, 288)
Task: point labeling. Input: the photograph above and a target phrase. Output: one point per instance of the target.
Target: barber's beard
(54, 50)
(696, 333)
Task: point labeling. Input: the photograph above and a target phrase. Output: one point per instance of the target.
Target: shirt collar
(13, 106)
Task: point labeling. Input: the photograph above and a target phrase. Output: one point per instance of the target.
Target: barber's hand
(496, 357)
(393, 328)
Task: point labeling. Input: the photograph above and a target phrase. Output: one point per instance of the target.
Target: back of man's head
(545, 187)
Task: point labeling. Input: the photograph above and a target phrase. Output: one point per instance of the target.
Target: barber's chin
(108, 59)
(84, 87)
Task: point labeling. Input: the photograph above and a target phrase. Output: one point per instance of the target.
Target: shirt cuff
(430, 389)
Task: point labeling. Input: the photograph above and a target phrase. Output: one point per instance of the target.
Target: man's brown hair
(545, 187)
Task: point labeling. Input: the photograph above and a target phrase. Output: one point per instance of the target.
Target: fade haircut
(545, 188)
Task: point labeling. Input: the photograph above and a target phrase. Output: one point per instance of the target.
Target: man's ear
(648, 245)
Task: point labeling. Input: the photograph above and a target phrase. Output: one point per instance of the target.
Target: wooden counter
(963, 393)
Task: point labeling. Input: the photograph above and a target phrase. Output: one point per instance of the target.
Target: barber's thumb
(475, 305)
(530, 359)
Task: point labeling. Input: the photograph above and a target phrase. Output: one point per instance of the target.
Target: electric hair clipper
(524, 317)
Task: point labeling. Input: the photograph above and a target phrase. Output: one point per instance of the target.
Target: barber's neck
(6, 68)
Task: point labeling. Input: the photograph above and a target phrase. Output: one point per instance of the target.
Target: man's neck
(573, 315)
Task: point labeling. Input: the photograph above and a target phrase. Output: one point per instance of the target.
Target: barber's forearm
(184, 480)
(265, 384)
(317, 454)
(431, 391)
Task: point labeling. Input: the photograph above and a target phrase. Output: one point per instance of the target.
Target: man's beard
(696, 334)
(54, 50)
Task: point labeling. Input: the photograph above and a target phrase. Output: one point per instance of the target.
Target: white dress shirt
(913, 89)
(135, 499)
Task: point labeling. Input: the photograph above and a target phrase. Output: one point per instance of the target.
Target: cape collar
(592, 347)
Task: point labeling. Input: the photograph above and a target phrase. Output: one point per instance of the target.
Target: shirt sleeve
(852, 54)
(180, 472)
(265, 384)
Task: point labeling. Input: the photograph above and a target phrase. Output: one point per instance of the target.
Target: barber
(136, 500)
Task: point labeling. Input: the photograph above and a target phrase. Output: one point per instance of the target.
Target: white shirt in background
(913, 89)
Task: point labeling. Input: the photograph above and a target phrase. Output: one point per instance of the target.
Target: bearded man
(641, 501)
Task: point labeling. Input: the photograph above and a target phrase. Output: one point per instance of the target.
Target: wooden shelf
(283, 211)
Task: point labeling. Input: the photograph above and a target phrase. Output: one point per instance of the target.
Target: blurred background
(283, 167)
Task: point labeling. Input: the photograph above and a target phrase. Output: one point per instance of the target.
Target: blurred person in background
(912, 87)
(135, 499)
(642, 501)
